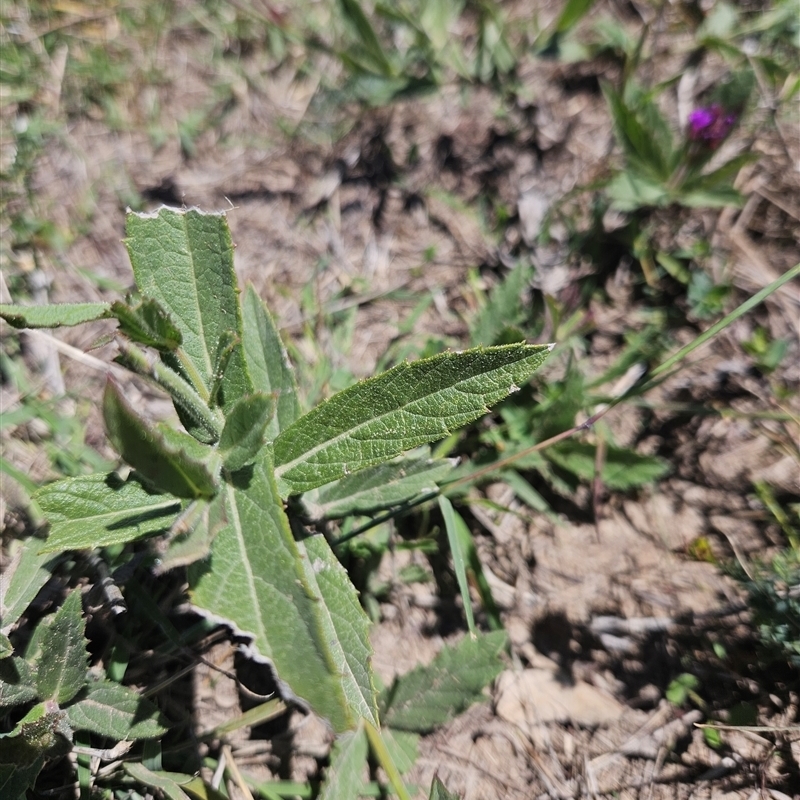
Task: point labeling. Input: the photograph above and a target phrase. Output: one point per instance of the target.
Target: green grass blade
(451, 523)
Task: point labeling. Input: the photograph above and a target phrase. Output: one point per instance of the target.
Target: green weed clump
(212, 496)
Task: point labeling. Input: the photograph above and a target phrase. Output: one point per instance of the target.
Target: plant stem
(385, 760)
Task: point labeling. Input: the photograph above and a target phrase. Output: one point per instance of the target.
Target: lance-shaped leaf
(53, 316)
(148, 323)
(62, 666)
(410, 405)
(184, 260)
(429, 696)
(173, 461)
(117, 712)
(455, 526)
(345, 776)
(381, 486)
(257, 581)
(268, 362)
(344, 623)
(163, 781)
(243, 434)
(100, 510)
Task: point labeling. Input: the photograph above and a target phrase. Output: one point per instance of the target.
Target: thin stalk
(255, 716)
(182, 392)
(752, 302)
(385, 760)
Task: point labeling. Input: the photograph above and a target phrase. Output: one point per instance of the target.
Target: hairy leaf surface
(148, 323)
(100, 510)
(268, 362)
(27, 572)
(184, 260)
(345, 776)
(63, 663)
(411, 404)
(259, 579)
(117, 712)
(173, 461)
(243, 434)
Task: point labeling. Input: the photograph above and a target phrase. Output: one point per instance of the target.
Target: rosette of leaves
(212, 495)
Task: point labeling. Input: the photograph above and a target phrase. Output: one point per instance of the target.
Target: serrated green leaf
(157, 780)
(184, 260)
(16, 682)
(63, 663)
(622, 469)
(268, 362)
(173, 461)
(381, 486)
(439, 791)
(506, 307)
(100, 510)
(429, 696)
(243, 434)
(117, 712)
(410, 405)
(55, 315)
(28, 572)
(147, 323)
(345, 775)
(256, 579)
(345, 625)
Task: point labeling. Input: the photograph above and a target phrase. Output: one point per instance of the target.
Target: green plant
(213, 494)
(660, 172)
(65, 698)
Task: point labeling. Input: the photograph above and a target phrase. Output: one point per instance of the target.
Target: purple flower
(710, 124)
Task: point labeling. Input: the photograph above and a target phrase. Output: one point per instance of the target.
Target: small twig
(234, 771)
